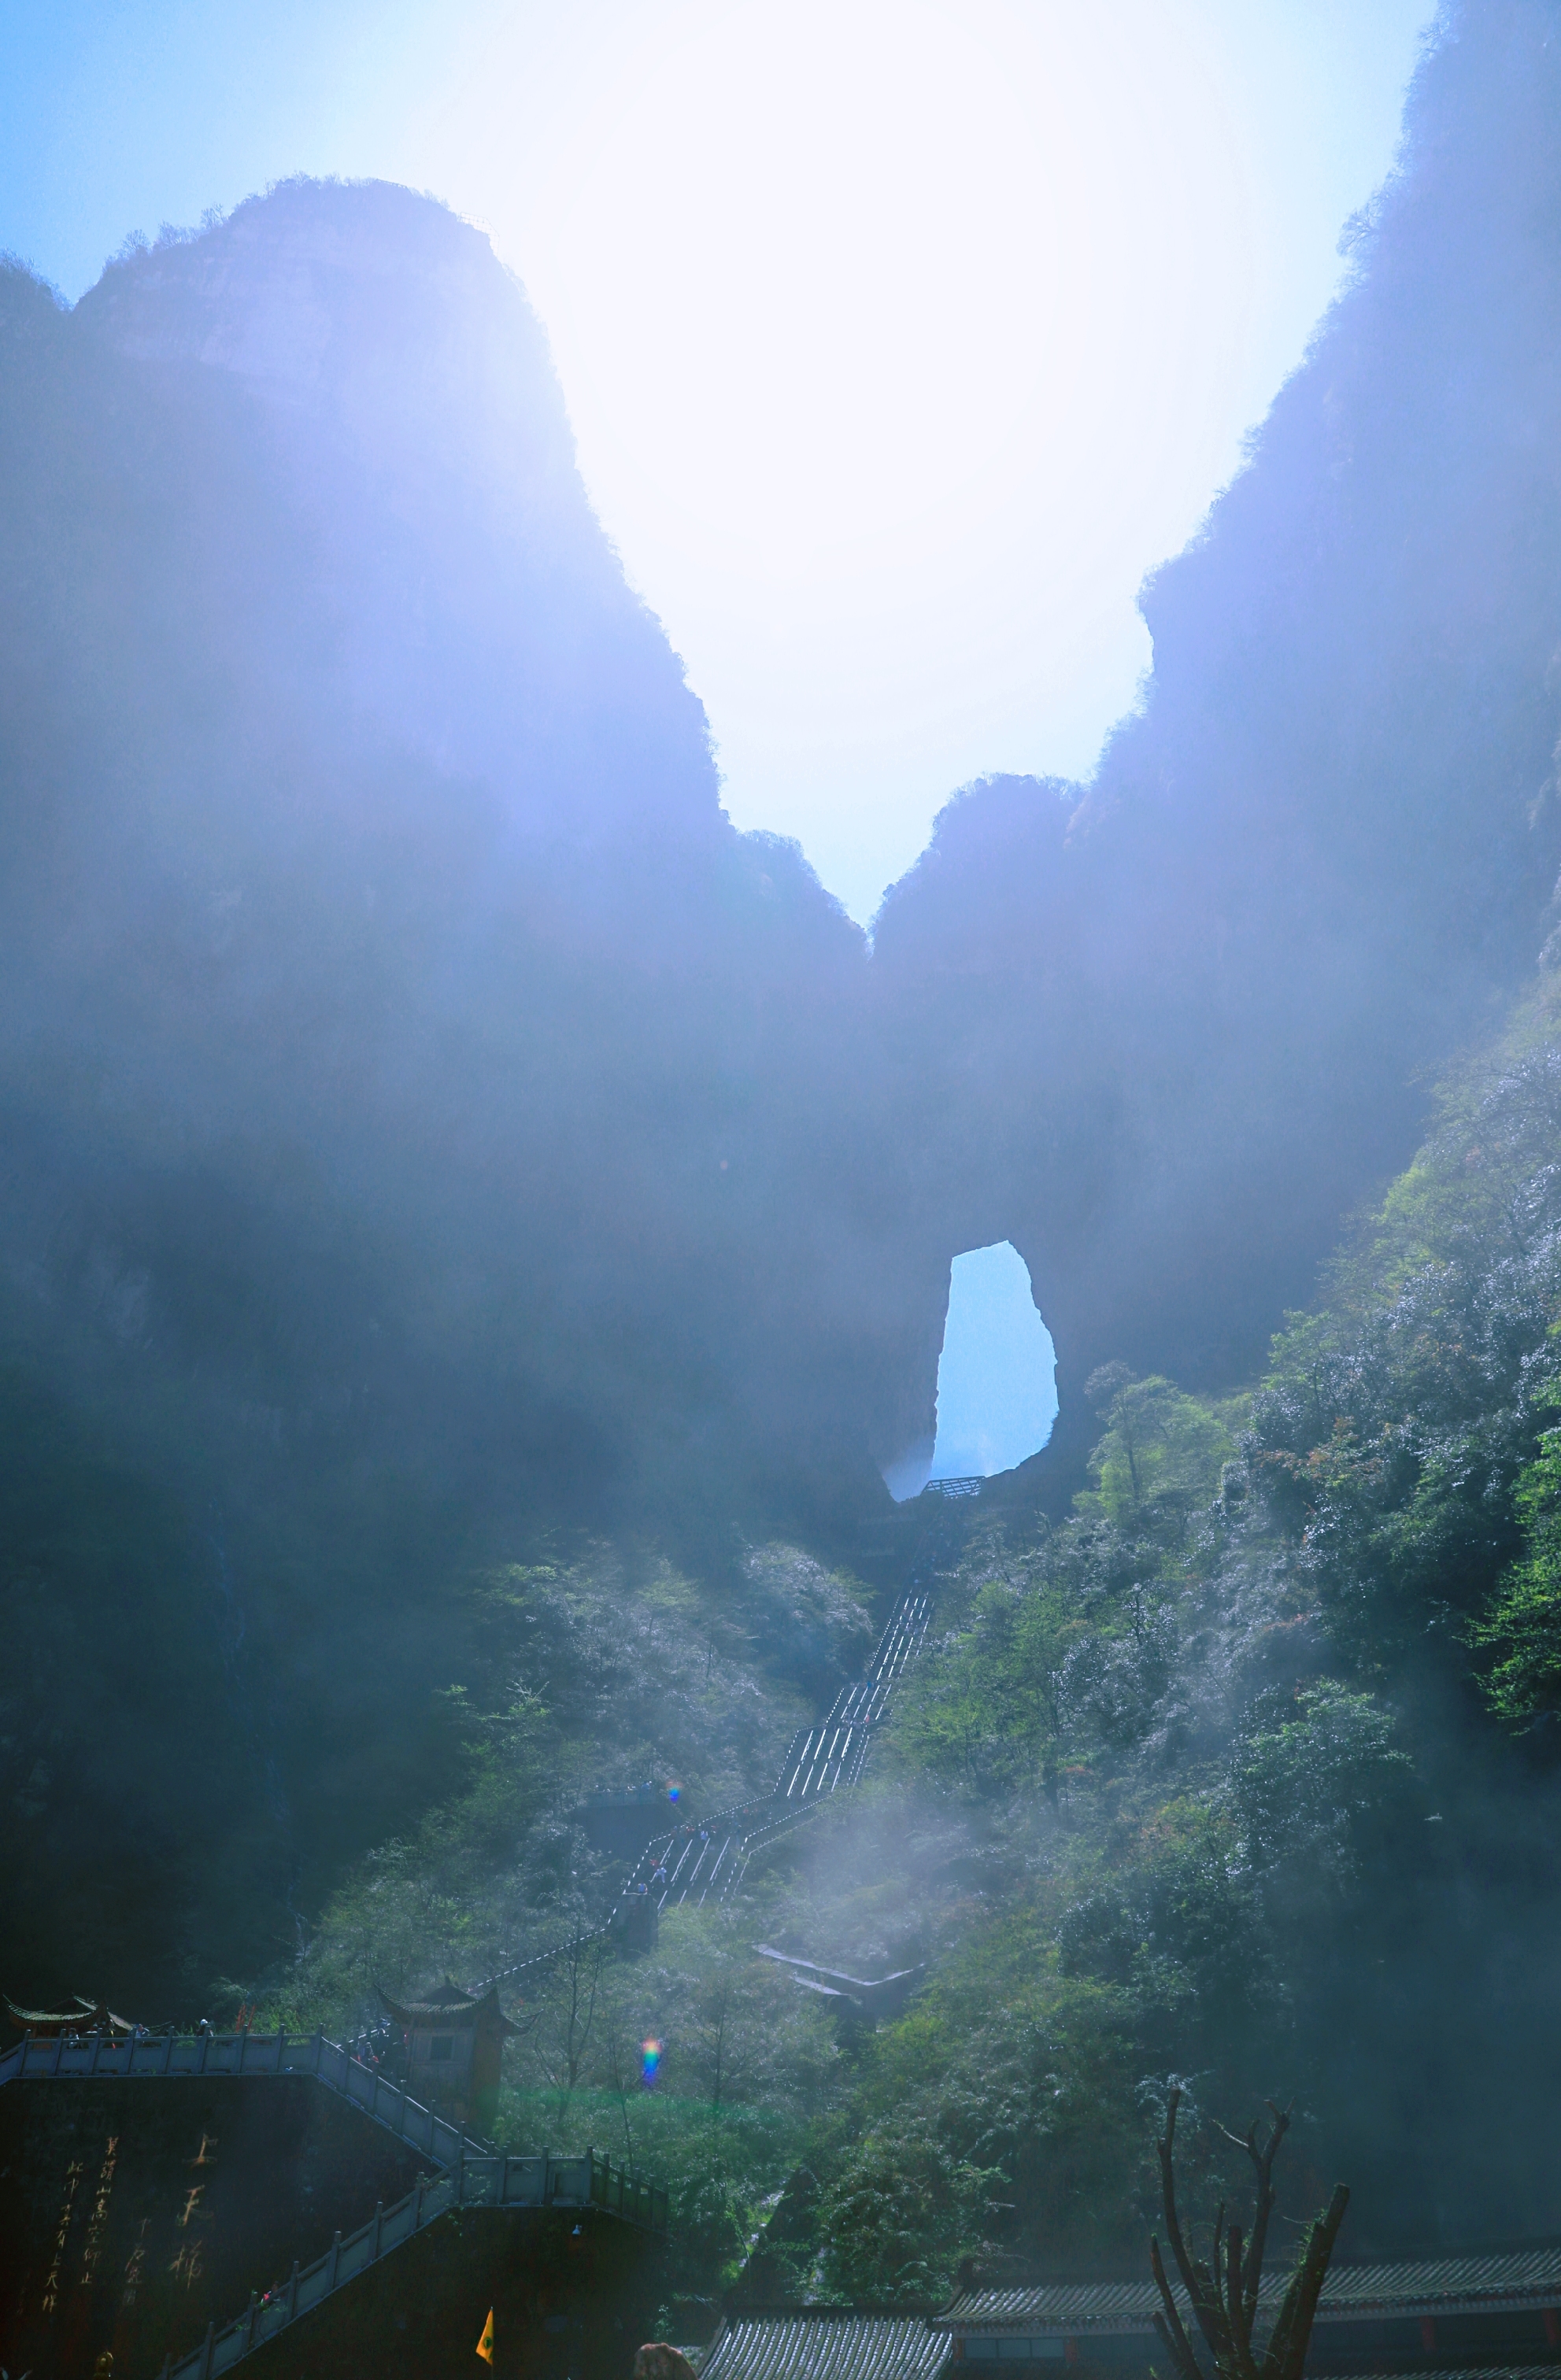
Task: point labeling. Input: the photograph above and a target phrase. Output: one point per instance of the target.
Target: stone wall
(133, 2212)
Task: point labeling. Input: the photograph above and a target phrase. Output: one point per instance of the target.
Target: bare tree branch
(1170, 2325)
(1182, 2356)
(1195, 2279)
(1224, 2297)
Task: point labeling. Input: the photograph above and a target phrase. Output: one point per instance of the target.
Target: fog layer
(427, 1120)
(1164, 1030)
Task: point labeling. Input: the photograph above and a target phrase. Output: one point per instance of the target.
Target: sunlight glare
(891, 334)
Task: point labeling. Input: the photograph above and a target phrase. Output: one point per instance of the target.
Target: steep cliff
(366, 883)
(425, 1117)
(1173, 1024)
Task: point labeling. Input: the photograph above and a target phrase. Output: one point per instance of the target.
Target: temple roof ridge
(86, 2016)
(457, 2008)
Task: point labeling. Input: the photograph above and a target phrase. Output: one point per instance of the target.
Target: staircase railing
(471, 2173)
(247, 2053)
(573, 2181)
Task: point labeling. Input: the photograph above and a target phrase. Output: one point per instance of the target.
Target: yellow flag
(485, 2344)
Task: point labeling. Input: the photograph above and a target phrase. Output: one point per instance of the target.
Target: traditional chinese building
(825, 2343)
(1495, 2314)
(82, 2017)
(455, 2051)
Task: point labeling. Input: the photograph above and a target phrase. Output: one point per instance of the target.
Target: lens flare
(650, 2063)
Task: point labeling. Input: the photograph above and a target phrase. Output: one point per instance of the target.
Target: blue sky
(901, 337)
(997, 1396)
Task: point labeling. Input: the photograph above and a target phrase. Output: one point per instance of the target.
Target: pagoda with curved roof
(83, 2016)
(455, 2050)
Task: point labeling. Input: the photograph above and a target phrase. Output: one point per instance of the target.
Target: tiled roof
(1055, 2303)
(84, 2017)
(825, 2343)
(461, 2011)
(1519, 2276)
(1519, 2273)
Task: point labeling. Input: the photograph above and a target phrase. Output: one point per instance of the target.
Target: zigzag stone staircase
(705, 1860)
(471, 2172)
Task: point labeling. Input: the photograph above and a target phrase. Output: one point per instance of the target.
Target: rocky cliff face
(369, 817)
(359, 809)
(425, 1115)
(409, 420)
(1180, 1022)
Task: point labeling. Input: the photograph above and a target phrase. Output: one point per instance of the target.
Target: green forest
(1242, 1770)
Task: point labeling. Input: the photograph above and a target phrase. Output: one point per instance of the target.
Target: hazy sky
(901, 337)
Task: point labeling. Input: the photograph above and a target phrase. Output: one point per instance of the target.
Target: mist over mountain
(363, 827)
(424, 1113)
(464, 1204)
(1165, 1030)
